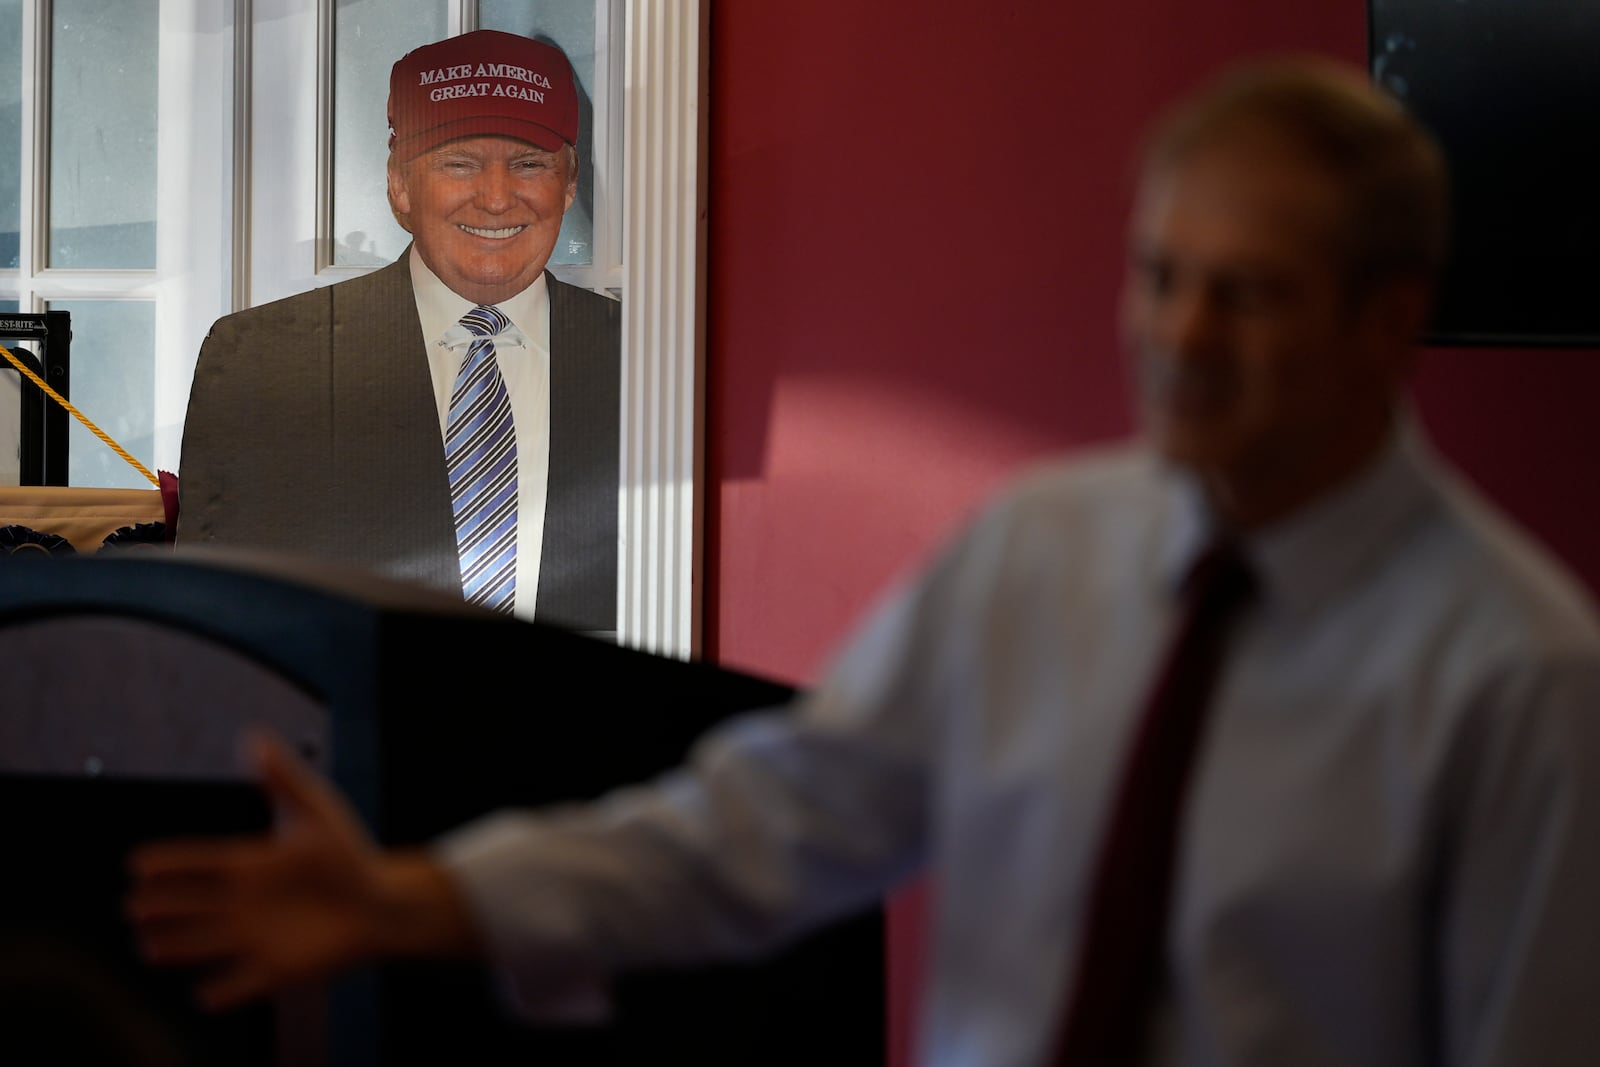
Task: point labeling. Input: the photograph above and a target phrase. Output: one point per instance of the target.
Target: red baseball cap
(483, 82)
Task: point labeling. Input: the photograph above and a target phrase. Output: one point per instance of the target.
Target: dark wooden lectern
(125, 683)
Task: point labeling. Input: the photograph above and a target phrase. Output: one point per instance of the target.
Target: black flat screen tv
(1511, 88)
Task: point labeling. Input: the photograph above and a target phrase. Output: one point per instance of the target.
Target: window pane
(369, 36)
(10, 134)
(569, 25)
(103, 134)
(113, 383)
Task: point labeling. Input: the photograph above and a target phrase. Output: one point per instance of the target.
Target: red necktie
(1124, 932)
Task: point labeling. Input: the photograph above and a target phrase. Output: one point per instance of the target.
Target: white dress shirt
(523, 355)
(1388, 855)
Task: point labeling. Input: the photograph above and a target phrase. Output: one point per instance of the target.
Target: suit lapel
(577, 569)
(385, 431)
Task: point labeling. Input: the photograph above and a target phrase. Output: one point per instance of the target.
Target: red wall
(916, 234)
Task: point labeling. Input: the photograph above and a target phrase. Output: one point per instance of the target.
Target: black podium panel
(146, 665)
(72, 989)
(819, 1002)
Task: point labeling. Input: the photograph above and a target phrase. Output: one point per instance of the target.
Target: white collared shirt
(1387, 855)
(526, 370)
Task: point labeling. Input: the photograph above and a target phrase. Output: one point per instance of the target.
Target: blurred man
(376, 423)
(1371, 845)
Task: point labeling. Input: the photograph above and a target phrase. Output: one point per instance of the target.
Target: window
(107, 199)
(80, 233)
(163, 163)
(369, 35)
(319, 110)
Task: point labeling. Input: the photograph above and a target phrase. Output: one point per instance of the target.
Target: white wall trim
(663, 345)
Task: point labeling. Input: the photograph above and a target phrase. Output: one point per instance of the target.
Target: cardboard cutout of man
(318, 424)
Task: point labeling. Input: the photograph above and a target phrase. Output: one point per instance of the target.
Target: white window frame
(189, 285)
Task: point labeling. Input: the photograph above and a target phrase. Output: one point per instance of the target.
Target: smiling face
(1260, 367)
(484, 211)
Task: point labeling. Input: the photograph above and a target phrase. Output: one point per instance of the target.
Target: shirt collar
(440, 309)
(1308, 556)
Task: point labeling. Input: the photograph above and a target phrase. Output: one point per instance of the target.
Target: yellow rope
(80, 416)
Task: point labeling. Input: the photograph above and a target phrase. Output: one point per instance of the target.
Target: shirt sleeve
(1519, 945)
(779, 822)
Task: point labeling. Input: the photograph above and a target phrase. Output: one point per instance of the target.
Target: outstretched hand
(261, 914)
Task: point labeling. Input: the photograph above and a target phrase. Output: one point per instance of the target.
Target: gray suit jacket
(313, 429)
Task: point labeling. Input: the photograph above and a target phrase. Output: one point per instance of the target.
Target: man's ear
(399, 195)
(1398, 313)
(1414, 310)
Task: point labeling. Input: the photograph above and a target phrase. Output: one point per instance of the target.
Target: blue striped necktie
(480, 446)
